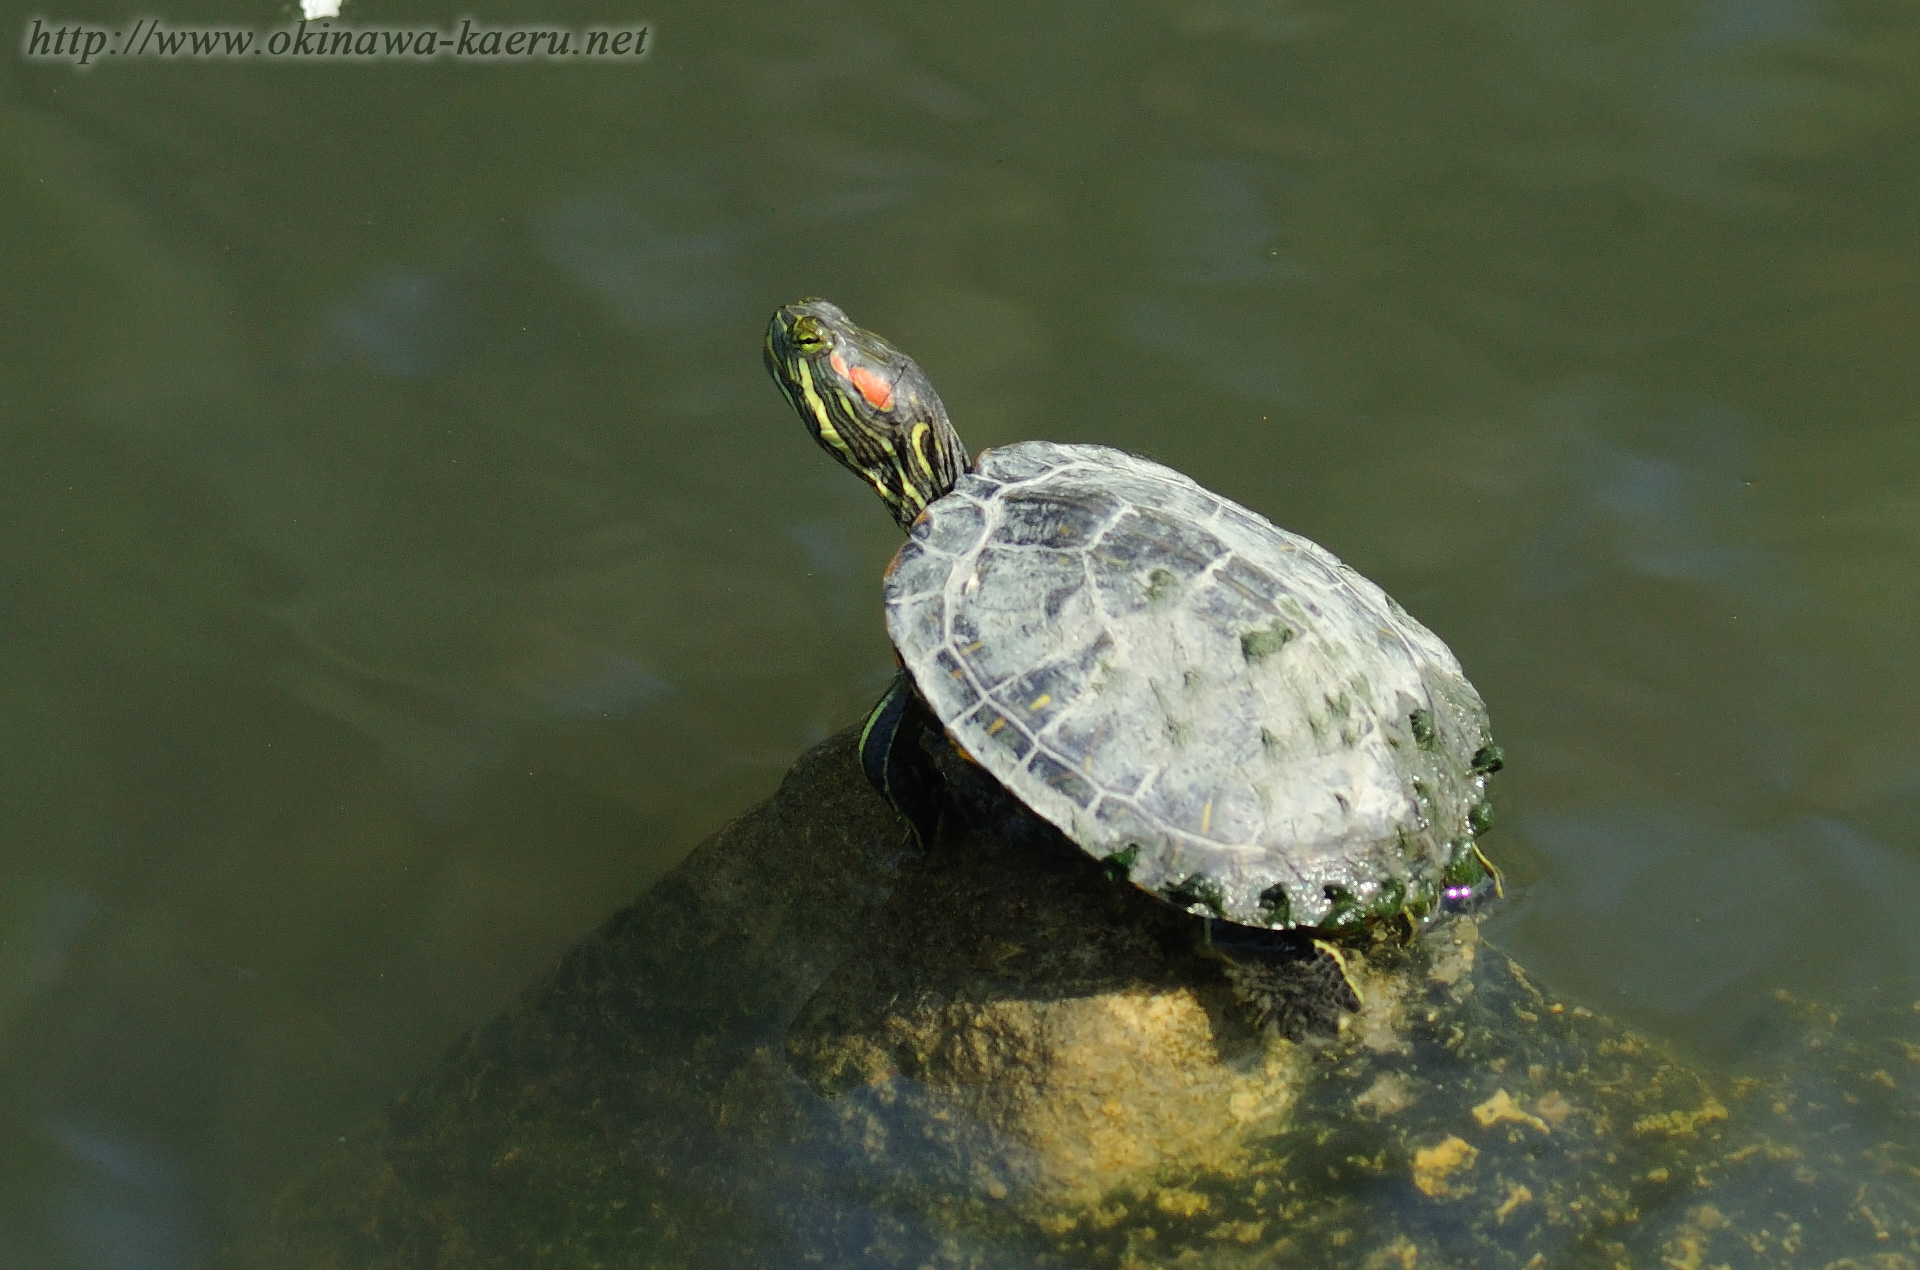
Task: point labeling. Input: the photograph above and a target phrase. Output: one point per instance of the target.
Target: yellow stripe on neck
(816, 408)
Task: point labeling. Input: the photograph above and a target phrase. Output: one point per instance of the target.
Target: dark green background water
(404, 559)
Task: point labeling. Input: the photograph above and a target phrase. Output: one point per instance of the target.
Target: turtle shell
(1248, 727)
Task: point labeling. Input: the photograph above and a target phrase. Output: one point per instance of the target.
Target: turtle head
(867, 403)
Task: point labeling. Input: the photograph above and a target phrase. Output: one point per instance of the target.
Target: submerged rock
(1060, 1034)
(806, 1046)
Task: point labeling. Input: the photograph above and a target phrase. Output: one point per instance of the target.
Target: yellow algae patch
(1517, 1196)
(1880, 1230)
(1687, 1249)
(1181, 1203)
(1683, 1251)
(1502, 1107)
(1434, 1165)
(1388, 1093)
(1553, 1108)
(1772, 1150)
(1401, 1254)
(1453, 954)
(1681, 1123)
(1239, 1232)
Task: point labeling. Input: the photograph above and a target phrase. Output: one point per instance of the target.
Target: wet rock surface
(808, 1046)
(1061, 1033)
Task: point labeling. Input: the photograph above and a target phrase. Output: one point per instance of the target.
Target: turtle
(1217, 709)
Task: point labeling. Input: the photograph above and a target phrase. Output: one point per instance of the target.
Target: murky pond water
(405, 559)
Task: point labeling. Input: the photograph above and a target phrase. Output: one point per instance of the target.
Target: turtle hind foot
(1298, 989)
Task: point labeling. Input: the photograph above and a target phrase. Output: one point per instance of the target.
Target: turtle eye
(807, 336)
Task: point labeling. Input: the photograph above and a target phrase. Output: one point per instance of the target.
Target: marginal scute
(948, 689)
(993, 737)
(1062, 779)
(1173, 681)
(926, 614)
(1040, 694)
(916, 571)
(1123, 823)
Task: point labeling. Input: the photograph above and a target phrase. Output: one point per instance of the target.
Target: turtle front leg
(1299, 987)
(895, 762)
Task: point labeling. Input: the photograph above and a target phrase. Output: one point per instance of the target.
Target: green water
(404, 559)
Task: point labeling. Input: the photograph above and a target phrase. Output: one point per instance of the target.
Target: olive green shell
(1245, 725)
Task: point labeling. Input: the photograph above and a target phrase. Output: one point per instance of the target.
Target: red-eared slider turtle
(1220, 709)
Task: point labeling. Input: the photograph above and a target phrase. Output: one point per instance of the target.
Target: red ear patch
(877, 391)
